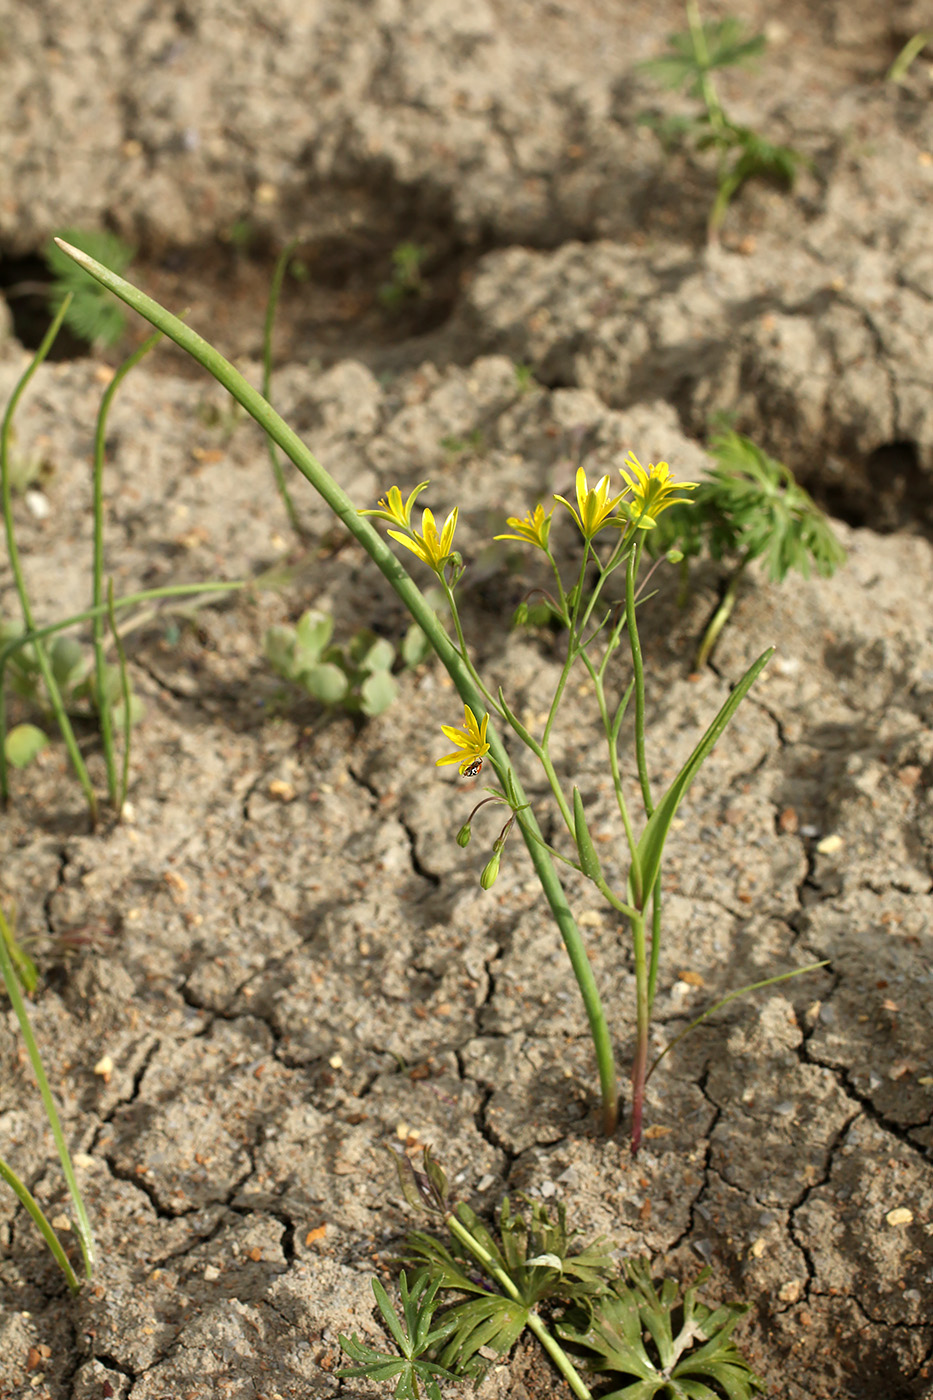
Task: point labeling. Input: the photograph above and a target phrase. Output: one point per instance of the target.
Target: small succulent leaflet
(356, 678)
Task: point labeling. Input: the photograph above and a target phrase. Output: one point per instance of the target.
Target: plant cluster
(73, 669)
(356, 678)
(58, 670)
(472, 1300)
(741, 153)
(749, 508)
(599, 630)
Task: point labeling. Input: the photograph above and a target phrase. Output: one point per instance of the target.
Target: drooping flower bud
(490, 872)
(464, 835)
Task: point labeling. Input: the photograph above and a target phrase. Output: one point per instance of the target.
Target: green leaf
(118, 712)
(377, 693)
(279, 648)
(69, 663)
(633, 1335)
(651, 845)
(326, 683)
(379, 657)
(23, 743)
(415, 646)
(23, 964)
(589, 860)
(312, 634)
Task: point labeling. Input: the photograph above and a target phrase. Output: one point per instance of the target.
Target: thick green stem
(421, 611)
(638, 669)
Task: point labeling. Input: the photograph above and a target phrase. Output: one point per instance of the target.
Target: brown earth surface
(280, 962)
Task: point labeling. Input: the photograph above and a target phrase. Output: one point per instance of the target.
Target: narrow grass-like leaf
(651, 844)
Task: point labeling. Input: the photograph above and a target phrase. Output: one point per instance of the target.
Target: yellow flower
(430, 547)
(392, 508)
(652, 491)
(534, 529)
(593, 504)
(470, 740)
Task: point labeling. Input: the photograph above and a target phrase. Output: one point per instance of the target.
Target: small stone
(899, 1216)
(211, 1273)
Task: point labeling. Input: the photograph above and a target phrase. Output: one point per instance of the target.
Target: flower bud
(488, 877)
(464, 834)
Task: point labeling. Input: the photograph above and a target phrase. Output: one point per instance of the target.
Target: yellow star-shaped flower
(652, 491)
(432, 548)
(470, 740)
(394, 509)
(534, 529)
(594, 508)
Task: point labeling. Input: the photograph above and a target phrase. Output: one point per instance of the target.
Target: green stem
(120, 799)
(275, 291)
(638, 669)
(83, 1225)
(104, 715)
(421, 611)
(714, 109)
(29, 1203)
(643, 1022)
(722, 614)
(553, 1348)
(51, 685)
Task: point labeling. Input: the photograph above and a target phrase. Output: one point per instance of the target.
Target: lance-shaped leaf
(589, 860)
(651, 846)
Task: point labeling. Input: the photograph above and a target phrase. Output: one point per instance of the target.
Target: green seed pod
(464, 835)
(488, 877)
(589, 860)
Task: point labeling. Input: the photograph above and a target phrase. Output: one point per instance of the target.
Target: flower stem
(421, 611)
(553, 1348)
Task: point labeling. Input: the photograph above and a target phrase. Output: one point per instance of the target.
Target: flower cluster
(649, 491)
(431, 547)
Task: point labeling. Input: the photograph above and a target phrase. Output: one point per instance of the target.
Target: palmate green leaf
(668, 1345)
(413, 1334)
(487, 1321)
(651, 845)
(726, 46)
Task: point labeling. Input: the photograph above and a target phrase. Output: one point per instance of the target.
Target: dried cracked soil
(280, 962)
